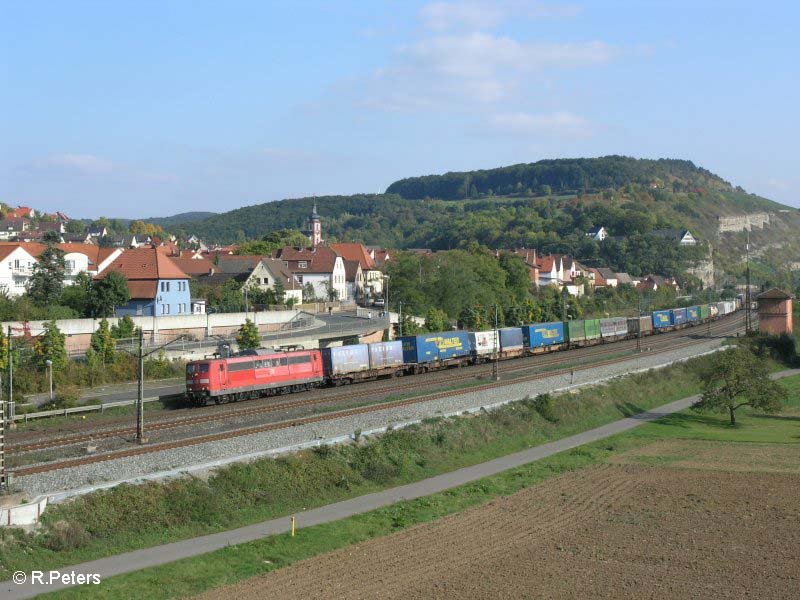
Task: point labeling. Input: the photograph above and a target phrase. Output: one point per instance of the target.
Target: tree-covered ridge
(560, 176)
(625, 195)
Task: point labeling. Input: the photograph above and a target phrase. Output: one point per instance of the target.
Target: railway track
(722, 329)
(396, 386)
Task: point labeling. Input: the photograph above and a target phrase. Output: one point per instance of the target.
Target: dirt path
(620, 531)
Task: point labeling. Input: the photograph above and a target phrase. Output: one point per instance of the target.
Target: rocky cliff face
(743, 222)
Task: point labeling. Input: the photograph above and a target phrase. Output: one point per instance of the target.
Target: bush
(545, 405)
(66, 535)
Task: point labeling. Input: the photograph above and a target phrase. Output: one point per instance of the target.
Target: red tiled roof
(354, 251)
(320, 259)
(32, 248)
(145, 264)
(22, 211)
(193, 266)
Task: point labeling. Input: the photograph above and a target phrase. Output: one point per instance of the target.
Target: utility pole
(639, 326)
(10, 379)
(495, 374)
(140, 397)
(3, 480)
(747, 317)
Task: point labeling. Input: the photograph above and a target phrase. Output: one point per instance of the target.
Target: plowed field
(615, 531)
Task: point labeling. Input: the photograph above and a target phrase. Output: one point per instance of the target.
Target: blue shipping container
(678, 316)
(385, 354)
(433, 346)
(543, 334)
(693, 314)
(341, 360)
(662, 318)
(511, 339)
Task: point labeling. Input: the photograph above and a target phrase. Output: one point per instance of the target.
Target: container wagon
(346, 364)
(679, 316)
(543, 335)
(705, 312)
(662, 319)
(484, 344)
(576, 332)
(511, 342)
(386, 358)
(613, 328)
(592, 329)
(436, 350)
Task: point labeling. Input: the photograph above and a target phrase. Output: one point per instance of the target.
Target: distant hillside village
(166, 277)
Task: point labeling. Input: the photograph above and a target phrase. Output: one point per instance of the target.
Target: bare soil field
(718, 456)
(612, 531)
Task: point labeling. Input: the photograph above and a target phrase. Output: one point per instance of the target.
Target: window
(303, 264)
(165, 309)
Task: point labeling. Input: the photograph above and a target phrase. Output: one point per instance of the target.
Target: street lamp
(49, 364)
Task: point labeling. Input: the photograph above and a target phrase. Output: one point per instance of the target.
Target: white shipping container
(485, 342)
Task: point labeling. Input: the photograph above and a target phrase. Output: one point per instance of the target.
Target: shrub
(545, 405)
(66, 535)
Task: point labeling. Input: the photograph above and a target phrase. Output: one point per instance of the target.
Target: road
(159, 555)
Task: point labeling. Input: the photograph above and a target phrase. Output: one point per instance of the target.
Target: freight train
(262, 372)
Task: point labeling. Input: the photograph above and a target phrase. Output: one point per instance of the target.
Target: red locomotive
(262, 374)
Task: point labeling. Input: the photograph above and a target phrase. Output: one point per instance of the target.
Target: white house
(684, 237)
(319, 266)
(597, 233)
(16, 268)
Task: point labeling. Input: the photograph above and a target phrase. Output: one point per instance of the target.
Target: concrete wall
(79, 331)
(23, 514)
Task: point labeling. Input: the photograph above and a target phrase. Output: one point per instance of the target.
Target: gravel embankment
(204, 456)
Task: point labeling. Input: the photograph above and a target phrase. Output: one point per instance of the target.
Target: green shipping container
(576, 331)
(592, 329)
(705, 311)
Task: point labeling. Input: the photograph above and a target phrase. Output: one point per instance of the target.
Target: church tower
(314, 227)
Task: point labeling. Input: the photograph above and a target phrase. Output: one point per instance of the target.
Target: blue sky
(150, 108)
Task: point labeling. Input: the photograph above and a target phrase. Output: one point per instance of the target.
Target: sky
(151, 108)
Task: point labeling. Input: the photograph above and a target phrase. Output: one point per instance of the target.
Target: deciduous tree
(248, 338)
(737, 378)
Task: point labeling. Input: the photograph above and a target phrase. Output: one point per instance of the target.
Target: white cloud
(440, 16)
(559, 122)
(778, 184)
(447, 71)
(80, 164)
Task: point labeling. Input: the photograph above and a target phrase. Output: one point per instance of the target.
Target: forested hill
(566, 176)
(625, 195)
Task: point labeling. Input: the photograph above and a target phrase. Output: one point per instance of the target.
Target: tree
(125, 329)
(102, 342)
(436, 320)
(331, 292)
(107, 294)
(248, 338)
(47, 282)
(50, 346)
(309, 293)
(51, 237)
(76, 296)
(737, 378)
(75, 226)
